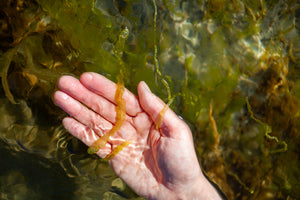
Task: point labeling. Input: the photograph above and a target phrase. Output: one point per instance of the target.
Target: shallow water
(232, 66)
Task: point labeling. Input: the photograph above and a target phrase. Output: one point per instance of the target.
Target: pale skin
(158, 163)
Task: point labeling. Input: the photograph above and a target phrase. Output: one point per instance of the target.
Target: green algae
(268, 130)
(157, 70)
(205, 56)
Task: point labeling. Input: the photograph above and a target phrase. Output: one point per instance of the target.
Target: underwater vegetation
(230, 69)
(120, 102)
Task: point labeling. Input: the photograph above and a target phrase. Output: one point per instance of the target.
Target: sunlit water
(232, 66)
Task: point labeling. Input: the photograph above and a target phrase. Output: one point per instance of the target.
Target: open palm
(158, 163)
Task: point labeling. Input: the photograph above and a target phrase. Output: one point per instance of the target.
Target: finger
(106, 88)
(85, 134)
(142, 123)
(153, 105)
(75, 89)
(81, 113)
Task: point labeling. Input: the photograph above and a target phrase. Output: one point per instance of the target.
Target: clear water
(239, 59)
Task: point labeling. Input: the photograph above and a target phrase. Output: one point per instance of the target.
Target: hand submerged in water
(158, 163)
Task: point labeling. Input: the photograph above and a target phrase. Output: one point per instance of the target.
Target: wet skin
(157, 163)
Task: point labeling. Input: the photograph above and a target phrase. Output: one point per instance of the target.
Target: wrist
(201, 190)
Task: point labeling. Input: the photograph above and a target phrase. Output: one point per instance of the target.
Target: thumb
(167, 121)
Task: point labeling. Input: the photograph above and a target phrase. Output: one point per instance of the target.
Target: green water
(232, 68)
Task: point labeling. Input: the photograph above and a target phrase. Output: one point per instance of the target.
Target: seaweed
(268, 130)
(116, 150)
(159, 73)
(120, 117)
(157, 70)
(120, 103)
(5, 62)
(229, 68)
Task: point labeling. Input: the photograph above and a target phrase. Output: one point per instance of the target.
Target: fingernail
(145, 86)
(88, 76)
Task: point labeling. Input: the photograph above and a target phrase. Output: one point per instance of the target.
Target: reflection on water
(29, 176)
(234, 64)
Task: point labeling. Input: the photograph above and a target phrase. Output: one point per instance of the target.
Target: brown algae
(120, 102)
(121, 115)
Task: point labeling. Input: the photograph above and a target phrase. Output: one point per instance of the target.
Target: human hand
(157, 164)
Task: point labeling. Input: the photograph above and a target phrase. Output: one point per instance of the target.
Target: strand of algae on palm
(120, 102)
(268, 130)
(121, 115)
(116, 150)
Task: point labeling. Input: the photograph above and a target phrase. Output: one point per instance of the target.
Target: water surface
(232, 67)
